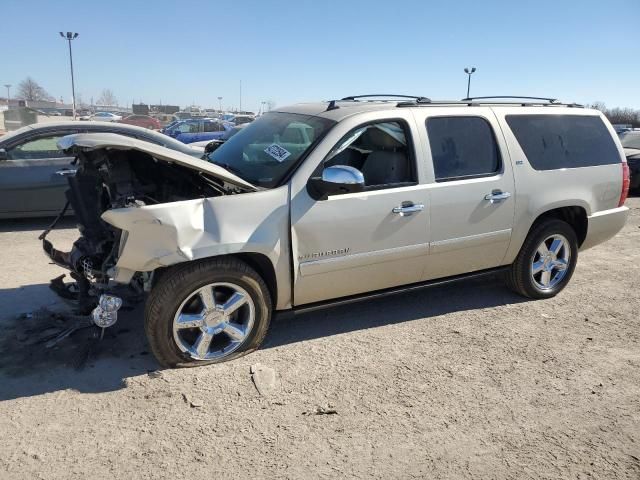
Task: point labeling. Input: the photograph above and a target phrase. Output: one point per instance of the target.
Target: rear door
(33, 178)
(472, 189)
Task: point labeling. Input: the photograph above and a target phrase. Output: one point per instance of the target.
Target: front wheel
(546, 260)
(206, 312)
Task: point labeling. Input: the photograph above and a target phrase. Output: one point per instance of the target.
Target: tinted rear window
(462, 147)
(564, 141)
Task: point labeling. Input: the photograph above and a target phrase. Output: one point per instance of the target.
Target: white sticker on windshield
(276, 151)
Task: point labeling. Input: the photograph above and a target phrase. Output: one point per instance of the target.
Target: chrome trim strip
(325, 265)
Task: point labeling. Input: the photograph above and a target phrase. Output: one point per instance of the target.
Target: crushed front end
(115, 173)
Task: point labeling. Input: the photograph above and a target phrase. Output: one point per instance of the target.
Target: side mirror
(3, 154)
(335, 180)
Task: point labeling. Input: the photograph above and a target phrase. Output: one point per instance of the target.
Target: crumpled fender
(170, 233)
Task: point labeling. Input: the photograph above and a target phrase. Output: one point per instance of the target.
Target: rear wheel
(546, 260)
(207, 312)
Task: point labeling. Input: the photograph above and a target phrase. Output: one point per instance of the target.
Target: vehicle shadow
(32, 369)
(426, 303)
(36, 224)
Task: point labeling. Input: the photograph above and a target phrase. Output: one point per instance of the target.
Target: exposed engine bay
(116, 178)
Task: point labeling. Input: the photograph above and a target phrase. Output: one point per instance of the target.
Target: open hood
(96, 141)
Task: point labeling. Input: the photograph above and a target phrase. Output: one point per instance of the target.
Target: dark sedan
(33, 170)
(631, 144)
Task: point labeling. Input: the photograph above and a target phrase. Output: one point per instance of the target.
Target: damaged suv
(334, 202)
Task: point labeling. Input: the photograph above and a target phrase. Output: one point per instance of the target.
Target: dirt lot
(464, 381)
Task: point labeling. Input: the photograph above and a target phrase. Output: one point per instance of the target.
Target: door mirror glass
(336, 180)
(3, 154)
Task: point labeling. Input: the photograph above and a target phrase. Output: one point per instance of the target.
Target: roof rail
(417, 98)
(550, 100)
(478, 101)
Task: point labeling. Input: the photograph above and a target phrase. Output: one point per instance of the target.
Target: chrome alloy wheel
(213, 321)
(550, 262)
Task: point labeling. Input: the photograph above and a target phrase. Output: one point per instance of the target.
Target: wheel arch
(574, 215)
(257, 261)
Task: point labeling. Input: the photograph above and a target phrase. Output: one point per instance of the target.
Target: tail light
(625, 183)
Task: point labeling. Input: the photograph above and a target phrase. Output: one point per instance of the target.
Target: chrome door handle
(408, 209)
(497, 196)
(65, 172)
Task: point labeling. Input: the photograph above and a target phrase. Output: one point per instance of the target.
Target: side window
(212, 127)
(563, 141)
(382, 151)
(191, 127)
(462, 147)
(39, 149)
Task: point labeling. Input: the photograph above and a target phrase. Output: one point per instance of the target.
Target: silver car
(334, 202)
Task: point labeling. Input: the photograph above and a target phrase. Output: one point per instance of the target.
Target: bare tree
(625, 116)
(107, 98)
(270, 105)
(29, 89)
(80, 101)
(598, 105)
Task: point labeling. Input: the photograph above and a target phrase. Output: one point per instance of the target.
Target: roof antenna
(332, 105)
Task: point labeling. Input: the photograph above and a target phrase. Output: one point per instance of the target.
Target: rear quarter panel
(537, 191)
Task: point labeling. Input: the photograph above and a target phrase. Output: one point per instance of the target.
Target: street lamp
(220, 104)
(8, 86)
(71, 36)
(469, 72)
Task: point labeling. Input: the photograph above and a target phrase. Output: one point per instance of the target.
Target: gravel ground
(463, 381)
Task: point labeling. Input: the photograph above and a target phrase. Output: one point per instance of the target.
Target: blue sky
(180, 52)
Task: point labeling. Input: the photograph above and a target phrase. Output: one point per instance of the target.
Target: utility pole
(8, 87)
(469, 72)
(71, 36)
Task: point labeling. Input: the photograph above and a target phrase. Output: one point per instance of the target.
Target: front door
(33, 179)
(359, 242)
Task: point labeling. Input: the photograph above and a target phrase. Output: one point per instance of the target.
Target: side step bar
(311, 307)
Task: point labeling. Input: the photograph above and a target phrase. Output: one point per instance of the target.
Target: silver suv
(331, 202)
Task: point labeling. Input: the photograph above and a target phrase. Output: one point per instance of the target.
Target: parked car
(196, 130)
(105, 117)
(631, 144)
(325, 203)
(210, 145)
(240, 119)
(33, 170)
(143, 121)
(165, 118)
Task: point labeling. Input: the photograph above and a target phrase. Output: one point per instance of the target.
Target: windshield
(266, 150)
(630, 140)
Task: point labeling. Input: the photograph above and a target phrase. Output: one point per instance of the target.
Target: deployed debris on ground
(44, 333)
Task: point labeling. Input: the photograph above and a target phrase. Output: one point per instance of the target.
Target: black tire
(519, 277)
(177, 283)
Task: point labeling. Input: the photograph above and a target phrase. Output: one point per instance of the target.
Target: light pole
(8, 86)
(469, 71)
(241, 95)
(220, 104)
(71, 36)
